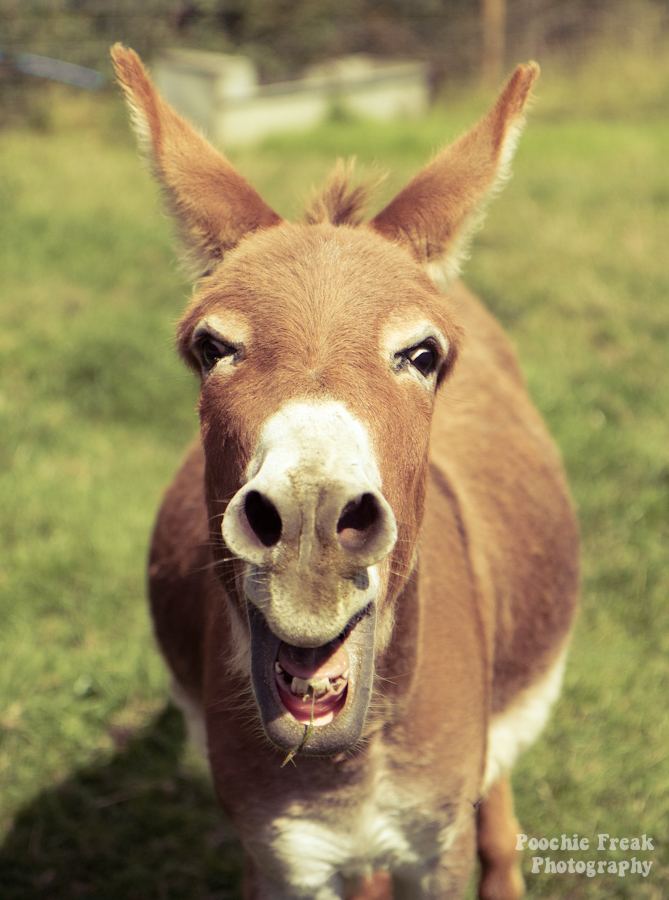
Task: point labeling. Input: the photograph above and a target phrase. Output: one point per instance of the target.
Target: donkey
(364, 575)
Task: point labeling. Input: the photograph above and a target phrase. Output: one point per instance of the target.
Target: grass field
(97, 795)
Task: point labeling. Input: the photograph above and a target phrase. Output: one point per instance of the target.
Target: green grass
(96, 798)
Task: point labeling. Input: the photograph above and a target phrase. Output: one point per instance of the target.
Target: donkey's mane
(341, 202)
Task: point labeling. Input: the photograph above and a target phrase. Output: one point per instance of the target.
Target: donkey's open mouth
(328, 685)
(313, 681)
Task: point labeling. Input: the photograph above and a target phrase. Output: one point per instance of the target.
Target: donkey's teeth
(278, 669)
(320, 687)
(316, 686)
(299, 686)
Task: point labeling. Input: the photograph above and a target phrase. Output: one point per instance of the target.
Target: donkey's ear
(437, 212)
(213, 205)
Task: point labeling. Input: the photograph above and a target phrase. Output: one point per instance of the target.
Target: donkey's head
(321, 347)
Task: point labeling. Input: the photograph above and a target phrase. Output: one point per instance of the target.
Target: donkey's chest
(387, 826)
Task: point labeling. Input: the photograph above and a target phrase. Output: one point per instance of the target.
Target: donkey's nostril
(358, 521)
(263, 518)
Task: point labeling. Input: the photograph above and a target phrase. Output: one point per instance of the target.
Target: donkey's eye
(423, 358)
(210, 351)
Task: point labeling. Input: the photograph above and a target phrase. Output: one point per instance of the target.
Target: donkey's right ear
(213, 205)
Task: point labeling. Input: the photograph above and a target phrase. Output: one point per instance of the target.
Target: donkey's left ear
(214, 207)
(437, 212)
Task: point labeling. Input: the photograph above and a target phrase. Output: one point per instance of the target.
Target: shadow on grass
(133, 828)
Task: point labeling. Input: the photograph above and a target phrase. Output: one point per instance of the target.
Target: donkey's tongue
(329, 661)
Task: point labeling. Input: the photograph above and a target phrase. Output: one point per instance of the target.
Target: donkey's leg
(497, 827)
(377, 886)
(251, 883)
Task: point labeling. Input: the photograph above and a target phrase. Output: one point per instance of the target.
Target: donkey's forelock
(341, 201)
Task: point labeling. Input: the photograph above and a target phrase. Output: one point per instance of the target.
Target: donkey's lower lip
(285, 715)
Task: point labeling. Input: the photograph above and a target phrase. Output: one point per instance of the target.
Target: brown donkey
(363, 577)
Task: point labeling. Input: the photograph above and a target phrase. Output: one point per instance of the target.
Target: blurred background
(99, 797)
(462, 41)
